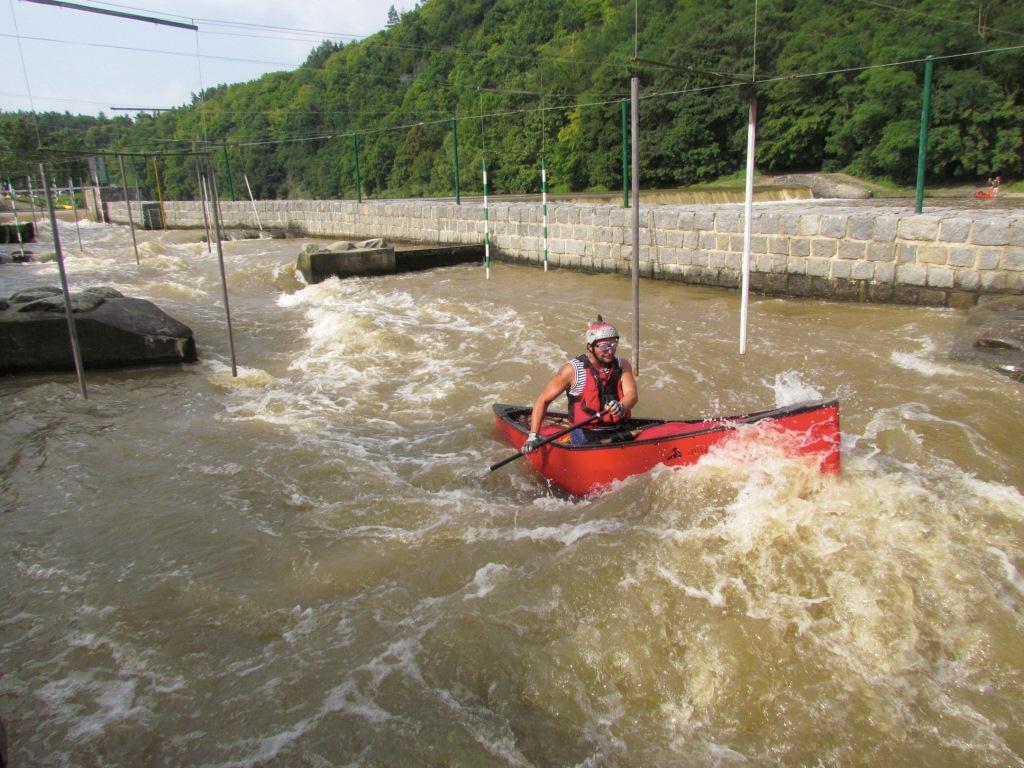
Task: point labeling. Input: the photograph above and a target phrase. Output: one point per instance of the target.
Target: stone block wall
(943, 257)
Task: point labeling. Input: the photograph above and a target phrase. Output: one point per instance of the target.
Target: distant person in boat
(595, 382)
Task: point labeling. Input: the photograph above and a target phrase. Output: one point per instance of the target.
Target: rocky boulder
(114, 331)
(993, 335)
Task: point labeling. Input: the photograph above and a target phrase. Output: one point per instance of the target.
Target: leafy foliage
(523, 81)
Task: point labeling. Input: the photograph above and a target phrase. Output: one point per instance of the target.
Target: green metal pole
(355, 155)
(922, 142)
(227, 167)
(625, 159)
(455, 159)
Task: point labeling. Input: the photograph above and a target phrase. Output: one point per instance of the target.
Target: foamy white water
(309, 564)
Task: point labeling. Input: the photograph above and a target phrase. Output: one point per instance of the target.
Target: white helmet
(599, 329)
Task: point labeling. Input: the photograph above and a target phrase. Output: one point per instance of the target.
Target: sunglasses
(607, 346)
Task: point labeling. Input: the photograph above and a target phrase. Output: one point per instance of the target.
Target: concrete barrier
(942, 257)
(9, 232)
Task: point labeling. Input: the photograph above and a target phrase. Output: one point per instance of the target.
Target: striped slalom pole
(74, 209)
(487, 229)
(160, 196)
(32, 200)
(17, 223)
(748, 214)
(544, 208)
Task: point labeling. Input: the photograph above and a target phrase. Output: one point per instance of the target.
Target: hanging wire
(24, 70)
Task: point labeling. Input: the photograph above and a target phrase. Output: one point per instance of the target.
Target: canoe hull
(810, 429)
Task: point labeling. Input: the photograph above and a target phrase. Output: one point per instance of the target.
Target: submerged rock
(993, 335)
(114, 331)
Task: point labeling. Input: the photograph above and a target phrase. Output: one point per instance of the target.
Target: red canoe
(642, 444)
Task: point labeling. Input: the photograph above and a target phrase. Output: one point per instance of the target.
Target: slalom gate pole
(203, 197)
(487, 229)
(748, 212)
(32, 200)
(625, 158)
(922, 141)
(544, 208)
(17, 224)
(214, 209)
(74, 209)
(455, 160)
(634, 87)
(252, 200)
(355, 156)
(160, 196)
(128, 202)
(76, 351)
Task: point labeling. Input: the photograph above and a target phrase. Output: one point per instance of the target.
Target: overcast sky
(85, 63)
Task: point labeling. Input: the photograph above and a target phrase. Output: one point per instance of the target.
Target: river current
(310, 564)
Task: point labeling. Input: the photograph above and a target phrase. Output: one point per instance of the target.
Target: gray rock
(113, 332)
(34, 294)
(103, 292)
(79, 303)
(993, 335)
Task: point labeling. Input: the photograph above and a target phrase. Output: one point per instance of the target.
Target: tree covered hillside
(526, 80)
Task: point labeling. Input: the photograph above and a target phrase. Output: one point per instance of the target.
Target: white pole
(634, 90)
(97, 197)
(32, 200)
(544, 207)
(748, 209)
(203, 196)
(487, 229)
(253, 201)
(17, 224)
(74, 208)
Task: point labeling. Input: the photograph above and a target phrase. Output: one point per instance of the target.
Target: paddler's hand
(614, 407)
(531, 443)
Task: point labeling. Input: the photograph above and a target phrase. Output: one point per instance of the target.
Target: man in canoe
(597, 382)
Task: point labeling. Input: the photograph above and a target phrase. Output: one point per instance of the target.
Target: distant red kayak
(639, 445)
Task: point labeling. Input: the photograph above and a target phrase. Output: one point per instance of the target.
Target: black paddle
(549, 439)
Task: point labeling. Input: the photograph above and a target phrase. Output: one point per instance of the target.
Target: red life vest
(599, 386)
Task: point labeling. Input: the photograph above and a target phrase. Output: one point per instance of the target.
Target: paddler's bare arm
(628, 380)
(561, 382)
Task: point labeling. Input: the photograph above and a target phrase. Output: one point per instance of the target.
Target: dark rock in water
(16, 257)
(113, 332)
(993, 335)
(34, 294)
(102, 292)
(56, 304)
(85, 301)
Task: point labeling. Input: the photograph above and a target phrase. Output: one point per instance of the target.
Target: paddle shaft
(547, 440)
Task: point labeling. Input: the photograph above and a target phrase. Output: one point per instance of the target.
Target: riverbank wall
(822, 249)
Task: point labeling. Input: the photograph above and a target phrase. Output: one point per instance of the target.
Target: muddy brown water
(309, 565)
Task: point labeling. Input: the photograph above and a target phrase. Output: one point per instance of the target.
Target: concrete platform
(9, 232)
(317, 266)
